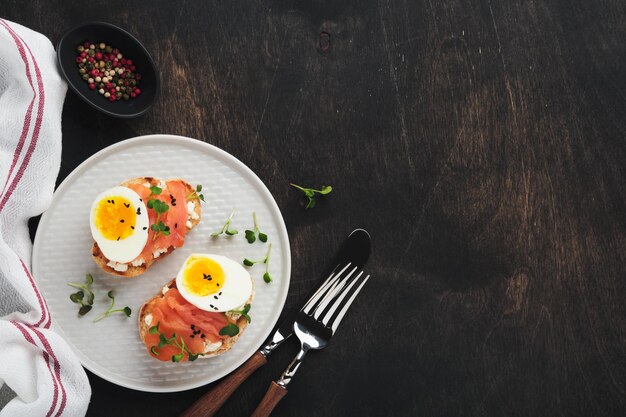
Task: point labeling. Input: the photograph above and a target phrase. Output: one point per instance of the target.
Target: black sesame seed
(218, 285)
(113, 201)
(202, 336)
(127, 205)
(122, 221)
(144, 228)
(215, 296)
(192, 336)
(211, 305)
(175, 225)
(220, 293)
(118, 238)
(193, 326)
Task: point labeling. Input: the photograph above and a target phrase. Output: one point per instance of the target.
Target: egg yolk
(115, 218)
(203, 276)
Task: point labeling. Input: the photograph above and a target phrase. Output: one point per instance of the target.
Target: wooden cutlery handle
(274, 394)
(210, 402)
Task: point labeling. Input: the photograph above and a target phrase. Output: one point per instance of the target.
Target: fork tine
(310, 305)
(337, 302)
(332, 294)
(334, 323)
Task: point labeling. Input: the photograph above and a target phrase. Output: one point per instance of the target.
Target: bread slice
(227, 343)
(134, 271)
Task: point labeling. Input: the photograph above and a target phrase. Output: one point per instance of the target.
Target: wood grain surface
(481, 143)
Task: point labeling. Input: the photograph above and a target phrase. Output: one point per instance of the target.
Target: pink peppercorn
(92, 86)
(98, 55)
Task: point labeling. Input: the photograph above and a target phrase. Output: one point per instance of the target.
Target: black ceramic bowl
(130, 47)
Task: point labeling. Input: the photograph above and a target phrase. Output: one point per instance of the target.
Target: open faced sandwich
(200, 313)
(140, 221)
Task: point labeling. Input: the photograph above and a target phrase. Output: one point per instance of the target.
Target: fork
(314, 326)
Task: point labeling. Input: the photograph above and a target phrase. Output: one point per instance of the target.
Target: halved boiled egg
(119, 224)
(214, 282)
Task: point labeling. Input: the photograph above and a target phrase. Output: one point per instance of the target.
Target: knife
(355, 250)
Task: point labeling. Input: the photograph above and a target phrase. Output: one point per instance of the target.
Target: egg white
(124, 250)
(235, 291)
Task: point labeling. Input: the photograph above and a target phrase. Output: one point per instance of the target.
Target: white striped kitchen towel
(39, 374)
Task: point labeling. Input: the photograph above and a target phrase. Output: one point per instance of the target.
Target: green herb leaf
(153, 350)
(267, 277)
(154, 227)
(127, 311)
(90, 297)
(110, 295)
(192, 357)
(178, 357)
(84, 309)
(250, 236)
(155, 190)
(248, 262)
(88, 279)
(162, 340)
(154, 329)
(150, 203)
(231, 232)
(77, 297)
(229, 330)
(201, 197)
(198, 188)
(262, 237)
(326, 189)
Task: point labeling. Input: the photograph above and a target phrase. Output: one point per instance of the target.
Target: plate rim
(238, 164)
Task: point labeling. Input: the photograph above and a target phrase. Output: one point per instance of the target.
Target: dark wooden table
(483, 145)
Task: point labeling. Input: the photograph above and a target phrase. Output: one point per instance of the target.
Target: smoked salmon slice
(176, 316)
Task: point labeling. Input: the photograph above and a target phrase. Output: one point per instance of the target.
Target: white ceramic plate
(111, 348)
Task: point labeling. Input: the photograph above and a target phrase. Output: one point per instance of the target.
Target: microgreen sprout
(196, 194)
(126, 310)
(172, 341)
(226, 228)
(252, 234)
(79, 296)
(159, 207)
(154, 190)
(310, 193)
(266, 276)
